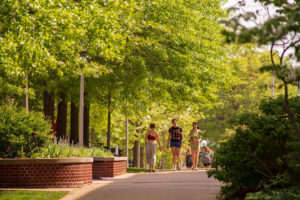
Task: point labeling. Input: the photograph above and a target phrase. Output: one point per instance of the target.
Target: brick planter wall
(109, 167)
(58, 173)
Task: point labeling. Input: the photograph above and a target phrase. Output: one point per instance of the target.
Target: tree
(280, 30)
(249, 88)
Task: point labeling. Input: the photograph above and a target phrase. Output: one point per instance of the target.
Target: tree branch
(284, 51)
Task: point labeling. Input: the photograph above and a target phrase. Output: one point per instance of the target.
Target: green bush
(292, 193)
(21, 133)
(65, 150)
(263, 152)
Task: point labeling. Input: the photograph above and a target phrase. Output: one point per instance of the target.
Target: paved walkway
(165, 185)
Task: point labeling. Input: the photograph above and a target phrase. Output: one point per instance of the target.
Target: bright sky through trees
(263, 14)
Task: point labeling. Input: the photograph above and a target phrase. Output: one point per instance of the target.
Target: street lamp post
(163, 155)
(126, 127)
(81, 110)
(26, 93)
(272, 86)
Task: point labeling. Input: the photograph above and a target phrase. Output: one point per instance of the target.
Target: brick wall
(109, 167)
(47, 173)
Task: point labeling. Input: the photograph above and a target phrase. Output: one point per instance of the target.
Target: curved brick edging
(109, 167)
(51, 172)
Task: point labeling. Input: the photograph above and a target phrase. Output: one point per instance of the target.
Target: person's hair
(197, 124)
(207, 149)
(152, 125)
(174, 120)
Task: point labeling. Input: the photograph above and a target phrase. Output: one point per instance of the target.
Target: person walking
(207, 156)
(151, 147)
(175, 140)
(188, 159)
(195, 137)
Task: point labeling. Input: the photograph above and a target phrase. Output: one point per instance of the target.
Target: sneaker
(175, 168)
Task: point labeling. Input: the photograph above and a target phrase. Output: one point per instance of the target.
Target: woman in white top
(195, 137)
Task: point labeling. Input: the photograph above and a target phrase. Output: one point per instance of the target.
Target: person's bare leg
(178, 157)
(196, 158)
(174, 156)
(193, 159)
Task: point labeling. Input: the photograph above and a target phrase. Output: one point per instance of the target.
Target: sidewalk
(164, 185)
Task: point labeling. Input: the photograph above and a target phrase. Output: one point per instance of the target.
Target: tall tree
(281, 30)
(62, 117)
(48, 99)
(86, 131)
(74, 134)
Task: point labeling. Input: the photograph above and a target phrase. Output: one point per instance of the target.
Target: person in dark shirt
(175, 141)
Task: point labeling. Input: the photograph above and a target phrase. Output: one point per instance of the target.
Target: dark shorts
(175, 144)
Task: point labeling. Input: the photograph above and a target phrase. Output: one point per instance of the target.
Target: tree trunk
(93, 136)
(289, 112)
(74, 135)
(86, 125)
(49, 105)
(108, 121)
(62, 118)
(142, 150)
(136, 154)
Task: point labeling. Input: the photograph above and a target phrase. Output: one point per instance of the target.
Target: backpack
(189, 162)
(206, 159)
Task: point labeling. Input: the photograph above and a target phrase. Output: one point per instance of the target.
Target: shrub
(65, 150)
(21, 133)
(292, 193)
(262, 152)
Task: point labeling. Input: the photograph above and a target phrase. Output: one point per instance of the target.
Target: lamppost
(81, 105)
(81, 110)
(272, 86)
(26, 93)
(126, 127)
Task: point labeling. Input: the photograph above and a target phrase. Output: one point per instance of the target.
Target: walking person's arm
(210, 151)
(181, 139)
(146, 139)
(169, 138)
(191, 138)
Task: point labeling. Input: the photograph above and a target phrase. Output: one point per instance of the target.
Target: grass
(30, 195)
(136, 170)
